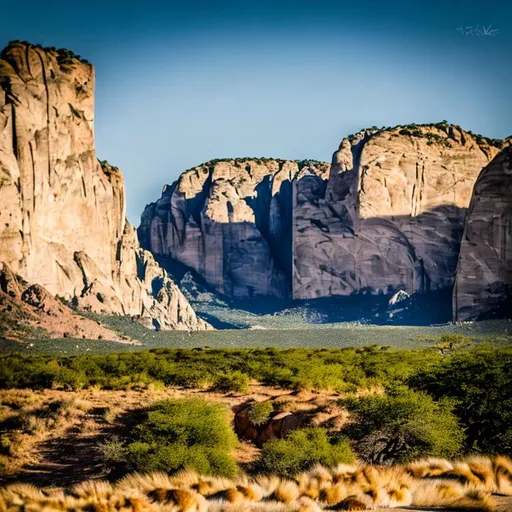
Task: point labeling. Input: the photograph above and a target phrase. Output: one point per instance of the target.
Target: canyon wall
(62, 222)
(231, 221)
(483, 285)
(386, 215)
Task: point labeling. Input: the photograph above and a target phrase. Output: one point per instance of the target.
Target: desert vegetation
(340, 370)
(28, 419)
(415, 130)
(65, 57)
(325, 428)
(176, 434)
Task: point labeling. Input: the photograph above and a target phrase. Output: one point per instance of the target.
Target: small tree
(448, 343)
(403, 425)
(479, 382)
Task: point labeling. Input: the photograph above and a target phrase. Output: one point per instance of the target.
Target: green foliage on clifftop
(65, 57)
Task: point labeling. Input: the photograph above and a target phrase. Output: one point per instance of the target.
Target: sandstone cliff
(62, 222)
(483, 285)
(231, 221)
(392, 213)
(387, 215)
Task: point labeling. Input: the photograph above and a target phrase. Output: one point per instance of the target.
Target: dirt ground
(68, 454)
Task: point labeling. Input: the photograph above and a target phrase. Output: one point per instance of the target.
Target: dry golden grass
(31, 418)
(23, 450)
(466, 484)
(346, 487)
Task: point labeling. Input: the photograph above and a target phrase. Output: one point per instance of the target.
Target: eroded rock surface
(62, 222)
(483, 286)
(231, 221)
(27, 309)
(387, 215)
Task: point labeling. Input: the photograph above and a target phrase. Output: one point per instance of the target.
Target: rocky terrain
(62, 223)
(483, 285)
(26, 310)
(386, 216)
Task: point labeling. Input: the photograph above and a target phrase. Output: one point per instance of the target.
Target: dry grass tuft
(464, 485)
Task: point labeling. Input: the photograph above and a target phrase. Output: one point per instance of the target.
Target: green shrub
(234, 381)
(449, 343)
(403, 425)
(189, 433)
(301, 449)
(260, 412)
(228, 370)
(113, 451)
(480, 383)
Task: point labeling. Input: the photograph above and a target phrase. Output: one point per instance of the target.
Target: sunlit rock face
(232, 222)
(62, 222)
(387, 215)
(483, 287)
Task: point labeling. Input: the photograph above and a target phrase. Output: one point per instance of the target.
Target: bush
(403, 425)
(113, 451)
(227, 370)
(301, 449)
(480, 383)
(189, 433)
(260, 412)
(234, 381)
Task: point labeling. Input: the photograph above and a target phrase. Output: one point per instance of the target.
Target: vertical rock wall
(62, 221)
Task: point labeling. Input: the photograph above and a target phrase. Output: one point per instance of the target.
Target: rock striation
(386, 215)
(483, 285)
(62, 222)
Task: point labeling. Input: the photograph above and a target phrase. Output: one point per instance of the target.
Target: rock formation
(231, 221)
(387, 215)
(26, 310)
(483, 285)
(62, 223)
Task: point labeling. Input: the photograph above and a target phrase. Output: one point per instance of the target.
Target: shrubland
(176, 434)
(401, 404)
(341, 370)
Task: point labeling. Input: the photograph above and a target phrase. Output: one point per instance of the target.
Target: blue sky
(179, 83)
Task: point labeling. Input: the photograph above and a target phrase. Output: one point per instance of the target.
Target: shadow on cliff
(438, 231)
(223, 312)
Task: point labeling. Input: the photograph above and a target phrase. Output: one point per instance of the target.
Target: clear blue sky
(179, 83)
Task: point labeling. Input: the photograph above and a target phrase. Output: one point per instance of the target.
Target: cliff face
(232, 222)
(392, 214)
(483, 285)
(387, 215)
(62, 223)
